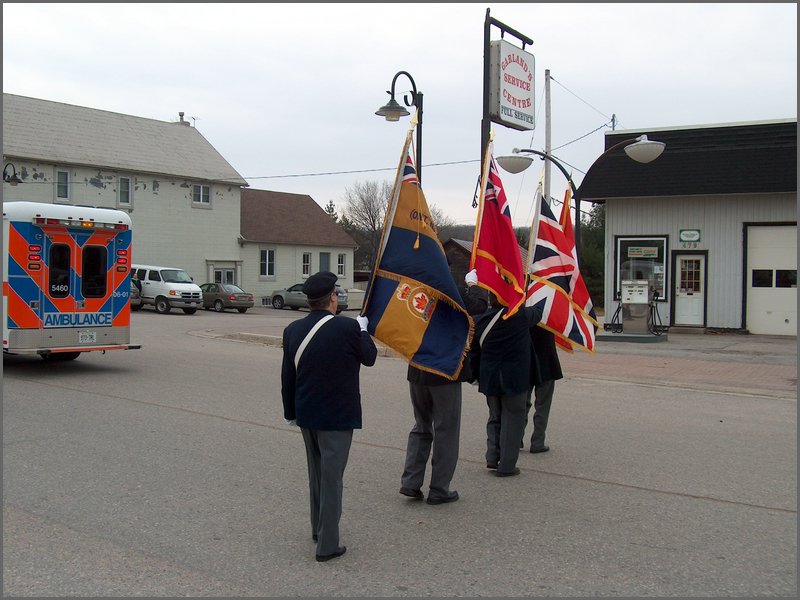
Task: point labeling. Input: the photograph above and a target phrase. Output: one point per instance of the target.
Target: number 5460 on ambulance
(66, 279)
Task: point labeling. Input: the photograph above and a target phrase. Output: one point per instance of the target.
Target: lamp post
(12, 179)
(392, 111)
(639, 149)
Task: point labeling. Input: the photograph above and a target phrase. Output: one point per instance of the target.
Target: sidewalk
(750, 364)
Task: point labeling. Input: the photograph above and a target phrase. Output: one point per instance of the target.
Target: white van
(168, 287)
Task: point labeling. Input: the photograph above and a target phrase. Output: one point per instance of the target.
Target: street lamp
(392, 111)
(12, 179)
(639, 149)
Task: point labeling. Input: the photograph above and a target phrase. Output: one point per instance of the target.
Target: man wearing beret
(322, 358)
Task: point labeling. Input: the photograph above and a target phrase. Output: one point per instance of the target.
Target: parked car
(166, 288)
(294, 298)
(220, 296)
(136, 298)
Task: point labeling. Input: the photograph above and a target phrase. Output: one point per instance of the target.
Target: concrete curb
(273, 340)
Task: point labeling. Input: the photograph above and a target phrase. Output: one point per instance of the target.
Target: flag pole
(484, 178)
(389, 217)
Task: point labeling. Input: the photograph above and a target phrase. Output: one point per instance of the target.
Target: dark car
(220, 296)
(294, 298)
(136, 298)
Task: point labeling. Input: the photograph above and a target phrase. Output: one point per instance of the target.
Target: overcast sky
(291, 89)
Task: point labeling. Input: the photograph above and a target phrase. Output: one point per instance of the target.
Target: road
(169, 471)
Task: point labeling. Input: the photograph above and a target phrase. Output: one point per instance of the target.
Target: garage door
(772, 280)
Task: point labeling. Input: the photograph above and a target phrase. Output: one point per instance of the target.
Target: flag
(555, 280)
(412, 302)
(495, 250)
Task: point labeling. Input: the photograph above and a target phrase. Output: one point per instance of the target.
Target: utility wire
(579, 98)
(455, 162)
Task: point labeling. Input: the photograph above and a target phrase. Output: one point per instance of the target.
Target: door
(690, 295)
(324, 261)
(771, 279)
(224, 275)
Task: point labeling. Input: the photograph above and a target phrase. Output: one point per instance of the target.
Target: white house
(289, 237)
(711, 225)
(182, 195)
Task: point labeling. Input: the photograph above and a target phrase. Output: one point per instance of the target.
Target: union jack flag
(495, 250)
(556, 282)
(409, 172)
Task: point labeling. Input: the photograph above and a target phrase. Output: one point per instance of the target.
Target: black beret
(319, 285)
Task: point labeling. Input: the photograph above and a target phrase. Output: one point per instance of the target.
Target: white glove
(292, 422)
(471, 278)
(362, 322)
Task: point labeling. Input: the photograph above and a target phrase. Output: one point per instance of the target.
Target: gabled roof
(283, 218)
(734, 158)
(55, 132)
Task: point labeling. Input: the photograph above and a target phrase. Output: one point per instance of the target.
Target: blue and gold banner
(412, 302)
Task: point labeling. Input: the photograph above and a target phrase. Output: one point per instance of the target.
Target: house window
(306, 264)
(340, 265)
(267, 263)
(201, 195)
(62, 186)
(125, 195)
(642, 258)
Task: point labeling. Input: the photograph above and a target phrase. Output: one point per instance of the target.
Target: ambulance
(66, 280)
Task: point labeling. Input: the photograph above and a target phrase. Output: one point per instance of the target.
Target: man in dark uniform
(504, 378)
(436, 401)
(322, 358)
(545, 370)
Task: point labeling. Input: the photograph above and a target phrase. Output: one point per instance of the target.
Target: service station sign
(511, 95)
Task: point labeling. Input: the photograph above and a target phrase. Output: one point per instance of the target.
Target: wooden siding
(720, 220)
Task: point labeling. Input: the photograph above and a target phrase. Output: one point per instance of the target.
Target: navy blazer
(506, 353)
(323, 392)
(545, 365)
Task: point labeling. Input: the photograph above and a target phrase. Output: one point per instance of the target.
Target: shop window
(642, 258)
(762, 278)
(786, 278)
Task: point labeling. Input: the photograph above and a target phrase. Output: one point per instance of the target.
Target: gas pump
(635, 303)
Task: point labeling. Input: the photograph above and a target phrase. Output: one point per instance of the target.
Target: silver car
(294, 298)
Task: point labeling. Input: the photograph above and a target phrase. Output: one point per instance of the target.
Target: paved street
(168, 471)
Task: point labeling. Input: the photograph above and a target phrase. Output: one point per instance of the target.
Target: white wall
(288, 266)
(720, 220)
(167, 228)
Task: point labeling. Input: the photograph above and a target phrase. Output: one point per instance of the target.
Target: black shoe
(491, 465)
(538, 450)
(451, 497)
(415, 494)
(324, 557)
(509, 474)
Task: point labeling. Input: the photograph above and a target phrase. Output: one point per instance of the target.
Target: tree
(365, 209)
(592, 253)
(444, 224)
(331, 210)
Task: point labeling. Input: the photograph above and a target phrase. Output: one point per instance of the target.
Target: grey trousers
(437, 416)
(543, 400)
(504, 430)
(326, 453)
